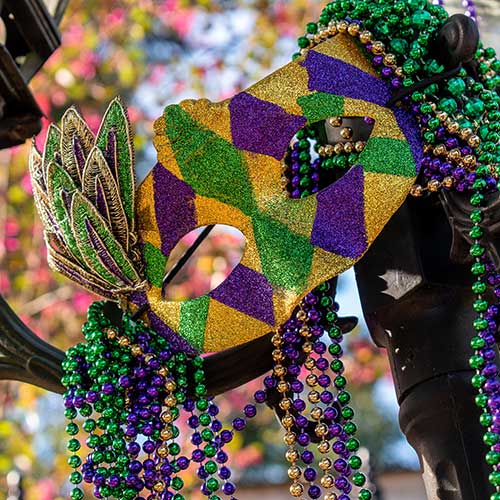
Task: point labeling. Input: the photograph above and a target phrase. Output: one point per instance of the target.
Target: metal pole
(417, 304)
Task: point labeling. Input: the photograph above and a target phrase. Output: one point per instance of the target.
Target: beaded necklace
(131, 386)
(460, 125)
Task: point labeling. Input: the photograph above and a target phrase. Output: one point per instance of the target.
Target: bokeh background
(155, 52)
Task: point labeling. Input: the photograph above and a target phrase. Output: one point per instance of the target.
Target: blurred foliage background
(152, 52)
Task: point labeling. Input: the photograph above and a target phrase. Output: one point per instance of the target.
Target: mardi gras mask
(222, 164)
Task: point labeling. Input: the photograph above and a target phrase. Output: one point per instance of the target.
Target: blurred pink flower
(134, 114)
(26, 183)
(46, 107)
(11, 244)
(248, 456)
(93, 121)
(42, 276)
(179, 87)
(115, 19)
(177, 17)
(33, 325)
(46, 489)
(11, 227)
(59, 97)
(81, 301)
(73, 34)
(157, 74)
(4, 282)
(85, 66)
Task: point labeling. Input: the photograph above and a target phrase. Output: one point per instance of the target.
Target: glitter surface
(385, 122)
(340, 219)
(298, 215)
(262, 127)
(156, 263)
(165, 308)
(79, 276)
(321, 105)
(208, 162)
(174, 208)
(230, 153)
(210, 211)
(384, 194)
(164, 147)
(291, 80)
(231, 327)
(177, 342)
(213, 116)
(84, 190)
(220, 163)
(285, 256)
(388, 156)
(146, 217)
(117, 120)
(264, 173)
(194, 314)
(58, 183)
(409, 126)
(258, 299)
(327, 263)
(52, 145)
(104, 255)
(347, 49)
(348, 81)
(83, 215)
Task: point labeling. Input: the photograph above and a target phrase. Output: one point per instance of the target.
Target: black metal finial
(454, 47)
(456, 42)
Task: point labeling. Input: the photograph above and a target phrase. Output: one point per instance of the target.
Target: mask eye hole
(321, 153)
(218, 253)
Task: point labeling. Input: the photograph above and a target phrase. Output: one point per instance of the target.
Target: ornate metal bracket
(25, 356)
(28, 358)
(31, 36)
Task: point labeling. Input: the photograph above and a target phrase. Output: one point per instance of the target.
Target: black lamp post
(28, 36)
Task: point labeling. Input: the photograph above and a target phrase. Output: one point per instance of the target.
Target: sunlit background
(152, 53)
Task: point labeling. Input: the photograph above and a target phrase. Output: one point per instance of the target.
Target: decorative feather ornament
(84, 190)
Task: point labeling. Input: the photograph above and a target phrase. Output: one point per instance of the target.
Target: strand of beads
(304, 175)
(460, 122)
(470, 9)
(90, 371)
(279, 381)
(222, 438)
(409, 61)
(126, 382)
(343, 399)
(163, 466)
(198, 418)
(436, 106)
(212, 449)
(211, 458)
(469, 5)
(321, 417)
(483, 343)
(217, 463)
(132, 370)
(300, 173)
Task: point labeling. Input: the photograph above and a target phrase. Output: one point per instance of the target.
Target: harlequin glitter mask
(227, 163)
(222, 164)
